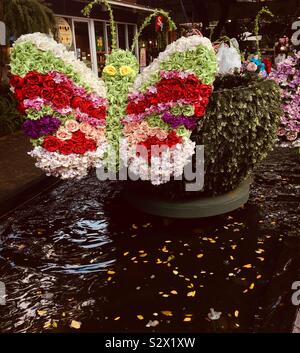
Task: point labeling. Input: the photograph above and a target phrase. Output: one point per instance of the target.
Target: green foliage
(10, 118)
(238, 131)
(28, 16)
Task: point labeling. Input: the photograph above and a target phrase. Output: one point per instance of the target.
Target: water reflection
(87, 257)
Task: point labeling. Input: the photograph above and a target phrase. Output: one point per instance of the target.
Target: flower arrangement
(170, 96)
(66, 116)
(255, 66)
(287, 75)
(238, 131)
(69, 116)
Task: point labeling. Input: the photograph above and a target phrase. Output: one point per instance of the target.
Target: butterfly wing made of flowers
(64, 104)
(164, 105)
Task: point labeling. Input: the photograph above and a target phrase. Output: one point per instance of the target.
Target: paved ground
(17, 168)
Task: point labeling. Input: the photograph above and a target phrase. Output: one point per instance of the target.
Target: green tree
(24, 16)
(27, 16)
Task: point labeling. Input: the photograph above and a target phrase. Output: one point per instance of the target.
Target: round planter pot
(196, 208)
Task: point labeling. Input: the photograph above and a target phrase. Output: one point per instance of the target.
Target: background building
(90, 38)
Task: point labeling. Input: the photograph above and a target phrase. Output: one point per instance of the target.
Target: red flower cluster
(60, 95)
(87, 107)
(172, 90)
(155, 146)
(78, 144)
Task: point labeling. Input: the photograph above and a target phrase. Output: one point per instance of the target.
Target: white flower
(170, 163)
(71, 166)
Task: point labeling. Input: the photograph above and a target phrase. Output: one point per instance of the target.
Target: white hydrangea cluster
(71, 166)
(180, 45)
(169, 164)
(45, 42)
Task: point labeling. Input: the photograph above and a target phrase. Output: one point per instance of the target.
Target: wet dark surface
(80, 253)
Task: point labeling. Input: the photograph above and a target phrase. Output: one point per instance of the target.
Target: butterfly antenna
(87, 10)
(147, 21)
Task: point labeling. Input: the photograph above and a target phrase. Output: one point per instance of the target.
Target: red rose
(33, 78)
(205, 101)
(176, 93)
(153, 100)
(48, 83)
(205, 90)
(31, 91)
(21, 108)
(78, 136)
(79, 148)
(19, 95)
(191, 79)
(76, 102)
(173, 139)
(16, 81)
(66, 147)
(90, 145)
(130, 109)
(47, 94)
(192, 95)
(100, 113)
(87, 107)
(199, 110)
(60, 101)
(164, 96)
(52, 143)
(65, 89)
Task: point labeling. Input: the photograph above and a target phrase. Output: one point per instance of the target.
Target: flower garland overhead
(287, 75)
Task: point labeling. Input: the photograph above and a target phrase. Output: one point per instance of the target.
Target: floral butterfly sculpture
(74, 119)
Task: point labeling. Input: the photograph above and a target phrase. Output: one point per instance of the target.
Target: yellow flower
(110, 70)
(126, 70)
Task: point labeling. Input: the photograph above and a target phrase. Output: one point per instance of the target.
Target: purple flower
(44, 126)
(175, 121)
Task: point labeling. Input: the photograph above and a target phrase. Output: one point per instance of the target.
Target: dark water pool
(78, 258)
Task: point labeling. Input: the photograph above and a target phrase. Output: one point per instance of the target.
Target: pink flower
(281, 132)
(72, 125)
(85, 128)
(291, 135)
(252, 67)
(63, 134)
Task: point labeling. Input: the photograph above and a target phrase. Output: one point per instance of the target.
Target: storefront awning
(131, 5)
(127, 5)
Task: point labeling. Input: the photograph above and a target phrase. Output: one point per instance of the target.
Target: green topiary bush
(238, 131)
